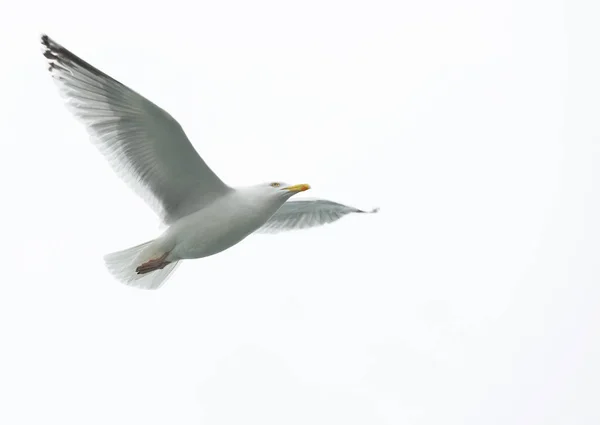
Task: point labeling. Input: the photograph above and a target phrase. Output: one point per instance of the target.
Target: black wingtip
(373, 211)
(50, 50)
(60, 57)
(46, 41)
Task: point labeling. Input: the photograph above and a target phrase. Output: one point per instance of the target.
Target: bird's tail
(133, 266)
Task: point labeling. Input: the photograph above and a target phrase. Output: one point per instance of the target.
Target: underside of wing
(307, 213)
(143, 144)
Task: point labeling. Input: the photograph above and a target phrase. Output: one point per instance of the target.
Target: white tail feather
(122, 265)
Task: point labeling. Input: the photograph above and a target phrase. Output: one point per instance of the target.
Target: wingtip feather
(373, 211)
(46, 41)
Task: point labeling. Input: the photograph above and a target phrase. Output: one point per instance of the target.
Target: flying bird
(149, 150)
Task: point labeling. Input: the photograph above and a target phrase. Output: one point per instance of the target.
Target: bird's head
(273, 193)
(282, 190)
(278, 191)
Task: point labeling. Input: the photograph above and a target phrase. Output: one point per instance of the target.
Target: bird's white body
(150, 151)
(220, 225)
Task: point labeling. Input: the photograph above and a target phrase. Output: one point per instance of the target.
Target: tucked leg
(153, 264)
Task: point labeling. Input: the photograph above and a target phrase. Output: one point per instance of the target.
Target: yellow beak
(297, 188)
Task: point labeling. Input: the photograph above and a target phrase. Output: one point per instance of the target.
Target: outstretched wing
(144, 145)
(306, 213)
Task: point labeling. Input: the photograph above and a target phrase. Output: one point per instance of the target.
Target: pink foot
(153, 264)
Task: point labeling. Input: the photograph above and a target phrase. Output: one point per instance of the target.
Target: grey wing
(143, 144)
(306, 213)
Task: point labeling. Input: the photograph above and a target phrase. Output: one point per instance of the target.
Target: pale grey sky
(470, 299)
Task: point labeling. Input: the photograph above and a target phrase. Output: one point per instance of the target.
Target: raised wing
(305, 213)
(144, 145)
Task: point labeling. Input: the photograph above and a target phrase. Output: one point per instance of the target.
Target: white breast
(220, 225)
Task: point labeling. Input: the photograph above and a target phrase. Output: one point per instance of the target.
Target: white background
(472, 298)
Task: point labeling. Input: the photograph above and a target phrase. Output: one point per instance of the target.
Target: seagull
(149, 150)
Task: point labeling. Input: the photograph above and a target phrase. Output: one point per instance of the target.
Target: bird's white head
(273, 193)
(282, 190)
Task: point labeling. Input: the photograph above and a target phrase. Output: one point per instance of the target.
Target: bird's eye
(275, 184)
